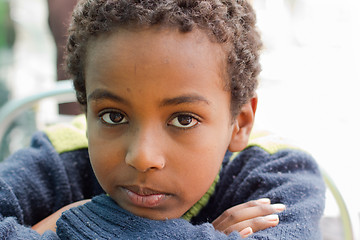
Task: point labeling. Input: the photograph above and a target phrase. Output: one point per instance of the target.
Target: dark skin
(132, 112)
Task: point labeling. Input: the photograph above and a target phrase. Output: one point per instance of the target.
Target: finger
(256, 224)
(239, 208)
(246, 232)
(234, 217)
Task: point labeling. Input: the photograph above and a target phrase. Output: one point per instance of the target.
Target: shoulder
(53, 147)
(55, 140)
(267, 150)
(270, 162)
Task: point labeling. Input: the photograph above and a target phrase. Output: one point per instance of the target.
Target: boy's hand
(249, 217)
(49, 223)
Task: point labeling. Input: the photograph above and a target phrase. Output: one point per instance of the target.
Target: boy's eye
(113, 118)
(184, 121)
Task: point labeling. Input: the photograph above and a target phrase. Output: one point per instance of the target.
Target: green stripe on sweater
(67, 137)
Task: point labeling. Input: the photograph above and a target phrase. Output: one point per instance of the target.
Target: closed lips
(144, 197)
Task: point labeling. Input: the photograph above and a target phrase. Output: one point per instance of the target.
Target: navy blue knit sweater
(102, 218)
(36, 182)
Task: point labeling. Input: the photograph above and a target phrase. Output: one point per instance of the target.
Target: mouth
(144, 197)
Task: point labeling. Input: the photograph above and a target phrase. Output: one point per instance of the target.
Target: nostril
(144, 163)
(161, 165)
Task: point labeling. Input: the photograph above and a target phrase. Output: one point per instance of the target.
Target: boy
(167, 87)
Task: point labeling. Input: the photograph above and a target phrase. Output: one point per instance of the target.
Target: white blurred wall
(311, 83)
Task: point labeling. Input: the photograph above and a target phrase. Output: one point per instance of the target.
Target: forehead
(142, 48)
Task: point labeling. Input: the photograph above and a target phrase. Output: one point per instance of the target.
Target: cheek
(100, 160)
(213, 142)
(201, 162)
(105, 156)
(103, 143)
(199, 177)
(212, 148)
(107, 164)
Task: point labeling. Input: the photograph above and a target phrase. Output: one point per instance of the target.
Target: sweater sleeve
(102, 218)
(36, 182)
(11, 230)
(287, 176)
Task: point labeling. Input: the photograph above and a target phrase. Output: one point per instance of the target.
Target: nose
(145, 153)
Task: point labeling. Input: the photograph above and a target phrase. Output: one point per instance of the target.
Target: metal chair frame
(63, 92)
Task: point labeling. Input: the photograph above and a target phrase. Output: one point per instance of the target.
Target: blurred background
(309, 91)
(310, 84)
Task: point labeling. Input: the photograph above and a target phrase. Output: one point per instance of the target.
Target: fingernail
(279, 207)
(263, 200)
(246, 232)
(271, 218)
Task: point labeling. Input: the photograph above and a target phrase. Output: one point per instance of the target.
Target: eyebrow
(190, 98)
(102, 94)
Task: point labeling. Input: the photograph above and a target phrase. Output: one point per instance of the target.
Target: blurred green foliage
(7, 36)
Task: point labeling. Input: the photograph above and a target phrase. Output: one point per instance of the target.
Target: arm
(11, 230)
(292, 178)
(35, 182)
(287, 176)
(245, 218)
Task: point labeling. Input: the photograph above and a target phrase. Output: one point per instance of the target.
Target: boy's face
(159, 120)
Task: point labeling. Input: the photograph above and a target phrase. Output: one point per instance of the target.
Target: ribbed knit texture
(102, 218)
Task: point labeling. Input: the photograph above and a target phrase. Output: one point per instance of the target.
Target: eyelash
(191, 116)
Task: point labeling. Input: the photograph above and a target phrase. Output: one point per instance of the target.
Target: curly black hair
(230, 23)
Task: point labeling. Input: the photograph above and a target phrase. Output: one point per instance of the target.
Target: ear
(242, 126)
